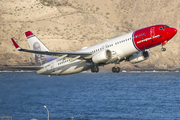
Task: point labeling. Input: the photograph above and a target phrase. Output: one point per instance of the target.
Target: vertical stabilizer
(36, 44)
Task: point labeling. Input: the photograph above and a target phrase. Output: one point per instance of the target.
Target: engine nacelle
(102, 56)
(139, 57)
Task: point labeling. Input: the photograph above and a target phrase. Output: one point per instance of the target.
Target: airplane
(132, 47)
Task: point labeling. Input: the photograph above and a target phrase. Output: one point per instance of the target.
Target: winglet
(15, 44)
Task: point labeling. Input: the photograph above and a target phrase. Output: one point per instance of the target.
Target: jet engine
(139, 57)
(102, 56)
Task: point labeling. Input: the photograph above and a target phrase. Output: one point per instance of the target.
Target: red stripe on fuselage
(148, 37)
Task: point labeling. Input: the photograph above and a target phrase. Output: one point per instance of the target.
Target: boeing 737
(132, 47)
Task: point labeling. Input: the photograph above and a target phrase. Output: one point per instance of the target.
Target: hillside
(69, 25)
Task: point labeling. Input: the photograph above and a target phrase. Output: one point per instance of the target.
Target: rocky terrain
(69, 25)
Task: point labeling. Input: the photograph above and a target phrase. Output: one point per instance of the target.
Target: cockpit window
(161, 28)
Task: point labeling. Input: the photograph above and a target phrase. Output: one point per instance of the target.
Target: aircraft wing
(23, 68)
(79, 55)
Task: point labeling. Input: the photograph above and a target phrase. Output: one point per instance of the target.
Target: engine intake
(139, 57)
(102, 56)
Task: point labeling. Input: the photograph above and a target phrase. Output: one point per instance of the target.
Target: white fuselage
(120, 47)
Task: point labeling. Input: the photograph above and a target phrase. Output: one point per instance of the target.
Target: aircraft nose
(174, 31)
(171, 32)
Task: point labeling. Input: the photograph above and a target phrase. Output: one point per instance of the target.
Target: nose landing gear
(163, 43)
(163, 49)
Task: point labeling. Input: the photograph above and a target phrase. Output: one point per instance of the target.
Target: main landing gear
(95, 69)
(116, 69)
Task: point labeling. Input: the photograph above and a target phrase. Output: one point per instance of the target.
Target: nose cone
(173, 31)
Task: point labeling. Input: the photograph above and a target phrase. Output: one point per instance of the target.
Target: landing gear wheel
(115, 69)
(163, 49)
(95, 69)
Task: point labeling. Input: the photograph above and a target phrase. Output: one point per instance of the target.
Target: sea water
(88, 96)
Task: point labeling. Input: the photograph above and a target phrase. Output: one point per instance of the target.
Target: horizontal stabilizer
(23, 68)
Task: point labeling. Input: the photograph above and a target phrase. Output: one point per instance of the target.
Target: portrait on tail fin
(39, 58)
